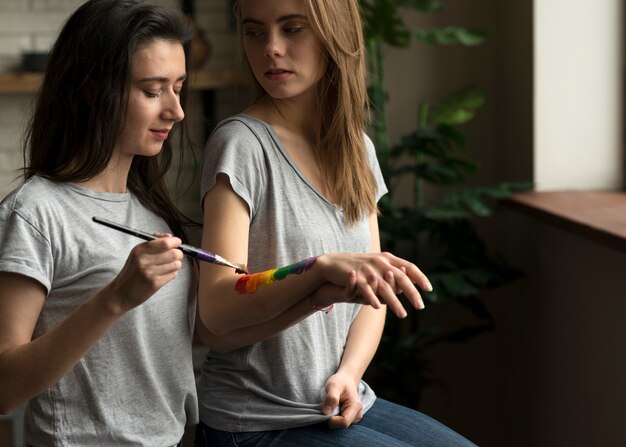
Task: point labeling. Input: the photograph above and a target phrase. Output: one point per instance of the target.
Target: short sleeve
(24, 249)
(378, 175)
(235, 149)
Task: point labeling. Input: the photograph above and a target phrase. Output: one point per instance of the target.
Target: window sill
(598, 216)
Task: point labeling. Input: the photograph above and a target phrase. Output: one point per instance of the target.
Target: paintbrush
(194, 252)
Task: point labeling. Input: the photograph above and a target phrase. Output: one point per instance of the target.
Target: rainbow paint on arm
(250, 283)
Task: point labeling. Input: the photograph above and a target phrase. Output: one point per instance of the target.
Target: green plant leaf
(454, 284)
(469, 202)
(459, 107)
(433, 146)
(452, 134)
(438, 236)
(444, 171)
(438, 143)
(382, 21)
(477, 205)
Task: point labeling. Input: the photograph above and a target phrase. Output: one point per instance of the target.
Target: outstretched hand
(379, 277)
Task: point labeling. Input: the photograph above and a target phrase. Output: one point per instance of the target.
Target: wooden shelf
(214, 79)
(24, 83)
(596, 215)
(19, 83)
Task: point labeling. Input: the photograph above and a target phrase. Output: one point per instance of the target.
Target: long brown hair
(80, 110)
(342, 97)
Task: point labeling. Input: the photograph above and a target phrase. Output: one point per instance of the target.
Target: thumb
(332, 399)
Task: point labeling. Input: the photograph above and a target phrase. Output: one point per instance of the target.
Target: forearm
(362, 342)
(232, 303)
(253, 334)
(31, 368)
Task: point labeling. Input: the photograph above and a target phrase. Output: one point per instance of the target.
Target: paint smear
(250, 283)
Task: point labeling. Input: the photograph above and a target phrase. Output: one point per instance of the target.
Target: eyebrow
(280, 19)
(162, 79)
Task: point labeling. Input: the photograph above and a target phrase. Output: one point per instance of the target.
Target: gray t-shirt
(136, 385)
(278, 383)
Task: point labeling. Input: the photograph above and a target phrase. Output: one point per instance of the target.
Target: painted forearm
(225, 306)
(250, 283)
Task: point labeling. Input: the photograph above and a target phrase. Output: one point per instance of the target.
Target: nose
(173, 110)
(274, 47)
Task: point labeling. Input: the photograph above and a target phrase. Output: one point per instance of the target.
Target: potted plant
(439, 232)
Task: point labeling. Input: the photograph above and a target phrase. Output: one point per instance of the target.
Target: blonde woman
(288, 181)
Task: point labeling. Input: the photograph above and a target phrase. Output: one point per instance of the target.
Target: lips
(277, 74)
(160, 134)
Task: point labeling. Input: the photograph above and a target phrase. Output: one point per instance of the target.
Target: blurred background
(549, 368)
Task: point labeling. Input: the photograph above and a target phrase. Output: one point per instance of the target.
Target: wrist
(321, 265)
(110, 302)
(351, 374)
(320, 308)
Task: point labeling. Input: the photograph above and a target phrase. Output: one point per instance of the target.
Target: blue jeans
(385, 424)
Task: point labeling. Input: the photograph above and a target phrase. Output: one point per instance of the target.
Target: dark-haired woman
(96, 329)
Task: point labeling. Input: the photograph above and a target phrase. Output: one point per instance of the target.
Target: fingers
(415, 275)
(149, 266)
(157, 234)
(406, 276)
(405, 285)
(158, 257)
(162, 244)
(332, 398)
(350, 289)
(413, 272)
(351, 412)
(377, 290)
(388, 295)
(394, 281)
(341, 391)
(380, 277)
(367, 295)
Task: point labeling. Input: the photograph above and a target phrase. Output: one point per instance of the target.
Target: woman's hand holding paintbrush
(194, 252)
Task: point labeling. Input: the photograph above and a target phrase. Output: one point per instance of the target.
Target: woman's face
(157, 76)
(284, 52)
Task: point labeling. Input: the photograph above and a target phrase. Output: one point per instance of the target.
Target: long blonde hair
(342, 99)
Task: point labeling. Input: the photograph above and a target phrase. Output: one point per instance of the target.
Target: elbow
(211, 317)
(222, 324)
(7, 402)
(214, 325)
(206, 319)
(218, 343)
